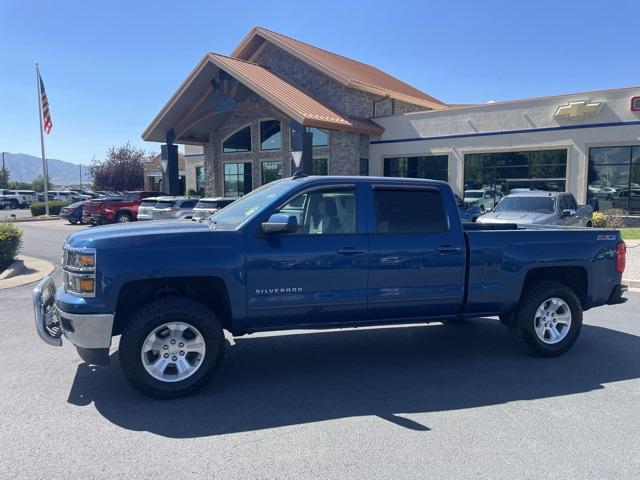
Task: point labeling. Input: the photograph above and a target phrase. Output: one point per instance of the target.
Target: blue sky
(110, 66)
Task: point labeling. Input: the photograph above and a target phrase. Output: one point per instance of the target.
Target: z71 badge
(606, 236)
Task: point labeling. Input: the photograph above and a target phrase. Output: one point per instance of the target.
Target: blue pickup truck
(316, 252)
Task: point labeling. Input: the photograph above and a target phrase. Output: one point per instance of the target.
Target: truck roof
(363, 179)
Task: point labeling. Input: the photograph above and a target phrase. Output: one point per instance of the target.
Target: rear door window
(409, 211)
(188, 203)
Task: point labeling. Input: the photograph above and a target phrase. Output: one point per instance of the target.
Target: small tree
(122, 169)
(17, 185)
(37, 184)
(4, 177)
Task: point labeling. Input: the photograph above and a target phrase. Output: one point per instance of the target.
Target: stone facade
(345, 149)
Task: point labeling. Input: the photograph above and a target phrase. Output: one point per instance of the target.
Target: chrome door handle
(350, 251)
(448, 249)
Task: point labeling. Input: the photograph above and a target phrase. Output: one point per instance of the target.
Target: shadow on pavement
(292, 379)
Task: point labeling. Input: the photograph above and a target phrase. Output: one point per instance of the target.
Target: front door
(319, 273)
(417, 255)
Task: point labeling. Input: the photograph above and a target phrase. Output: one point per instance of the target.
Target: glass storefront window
(435, 167)
(614, 179)
(200, 181)
(504, 172)
(237, 179)
(364, 167)
(320, 137)
(238, 142)
(270, 135)
(271, 170)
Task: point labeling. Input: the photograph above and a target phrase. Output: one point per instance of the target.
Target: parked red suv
(115, 209)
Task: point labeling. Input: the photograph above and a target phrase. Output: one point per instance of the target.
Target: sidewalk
(632, 270)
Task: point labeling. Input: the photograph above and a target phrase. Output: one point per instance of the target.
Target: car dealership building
(241, 116)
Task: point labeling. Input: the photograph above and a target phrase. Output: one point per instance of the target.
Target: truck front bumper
(90, 333)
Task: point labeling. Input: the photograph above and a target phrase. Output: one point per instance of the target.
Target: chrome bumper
(86, 331)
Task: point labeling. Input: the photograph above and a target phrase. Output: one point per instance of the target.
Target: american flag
(46, 115)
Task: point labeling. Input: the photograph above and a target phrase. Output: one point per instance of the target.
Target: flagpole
(45, 173)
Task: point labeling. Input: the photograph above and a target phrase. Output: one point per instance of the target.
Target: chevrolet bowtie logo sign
(579, 109)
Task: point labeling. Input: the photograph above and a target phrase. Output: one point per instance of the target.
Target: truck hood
(119, 233)
(516, 217)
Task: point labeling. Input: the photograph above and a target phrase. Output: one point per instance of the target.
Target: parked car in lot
(145, 209)
(485, 199)
(114, 209)
(628, 199)
(208, 206)
(73, 213)
(540, 208)
(5, 202)
(173, 208)
(356, 251)
(19, 198)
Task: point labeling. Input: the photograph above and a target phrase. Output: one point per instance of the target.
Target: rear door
(417, 253)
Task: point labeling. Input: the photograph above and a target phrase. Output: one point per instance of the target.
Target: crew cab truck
(115, 209)
(316, 252)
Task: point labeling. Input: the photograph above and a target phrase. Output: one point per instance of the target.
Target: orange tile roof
(293, 101)
(349, 72)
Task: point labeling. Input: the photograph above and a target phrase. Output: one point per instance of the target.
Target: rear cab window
(407, 210)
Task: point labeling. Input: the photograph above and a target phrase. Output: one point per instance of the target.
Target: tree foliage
(122, 169)
(37, 184)
(4, 177)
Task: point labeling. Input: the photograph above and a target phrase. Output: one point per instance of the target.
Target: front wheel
(549, 319)
(171, 347)
(123, 217)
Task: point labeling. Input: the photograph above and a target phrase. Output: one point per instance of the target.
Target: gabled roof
(292, 101)
(345, 70)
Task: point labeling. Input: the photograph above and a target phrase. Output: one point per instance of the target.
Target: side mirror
(280, 223)
(568, 213)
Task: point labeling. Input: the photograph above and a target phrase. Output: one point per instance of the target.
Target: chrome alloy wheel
(553, 320)
(173, 351)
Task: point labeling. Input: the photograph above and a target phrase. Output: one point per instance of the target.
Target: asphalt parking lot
(436, 401)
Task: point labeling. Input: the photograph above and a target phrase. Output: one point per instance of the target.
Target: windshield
(472, 194)
(148, 203)
(210, 205)
(245, 207)
(526, 204)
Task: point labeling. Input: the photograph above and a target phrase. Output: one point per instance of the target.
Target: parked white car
(145, 209)
(174, 208)
(485, 199)
(19, 198)
(208, 206)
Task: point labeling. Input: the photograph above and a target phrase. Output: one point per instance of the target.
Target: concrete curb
(24, 271)
(634, 285)
(31, 219)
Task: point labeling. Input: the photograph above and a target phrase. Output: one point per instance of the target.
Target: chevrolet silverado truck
(311, 253)
(114, 209)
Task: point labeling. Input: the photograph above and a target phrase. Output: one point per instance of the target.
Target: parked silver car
(540, 208)
(208, 206)
(145, 209)
(486, 199)
(173, 208)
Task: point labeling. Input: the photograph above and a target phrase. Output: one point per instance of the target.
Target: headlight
(79, 267)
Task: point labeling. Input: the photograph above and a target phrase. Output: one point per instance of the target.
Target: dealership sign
(635, 104)
(579, 109)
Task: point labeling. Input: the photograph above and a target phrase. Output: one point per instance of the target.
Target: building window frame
(238, 130)
(262, 170)
(325, 131)
(245, 176)
(634, 147)
(276, 149)
(200, 179)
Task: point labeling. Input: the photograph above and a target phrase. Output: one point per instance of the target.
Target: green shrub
(610, 219)
(37, 208)
(599, 220)
(10, 243)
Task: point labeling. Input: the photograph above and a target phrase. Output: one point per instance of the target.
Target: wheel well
(125, 212)
(211, 291)
(574, 277)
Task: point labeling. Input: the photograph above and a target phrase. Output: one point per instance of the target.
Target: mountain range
(25, 168)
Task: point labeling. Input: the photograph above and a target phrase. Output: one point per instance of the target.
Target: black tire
(154, 315)
(73, 222)
(14, 204)
(482, 209)
(589, 225)
(523, 327)
(123, 217)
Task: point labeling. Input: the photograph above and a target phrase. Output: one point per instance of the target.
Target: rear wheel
(123, 217)
(549, 319)
(171, 347)
(14, 204)
(73, 222)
